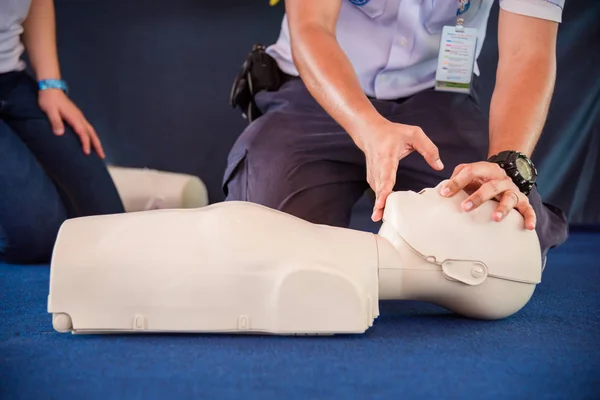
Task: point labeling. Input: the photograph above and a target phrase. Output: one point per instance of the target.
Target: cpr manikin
(242, 267)
(143, 189)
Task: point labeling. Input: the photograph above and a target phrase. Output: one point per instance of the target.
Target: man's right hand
(384, 146)
(330, 77)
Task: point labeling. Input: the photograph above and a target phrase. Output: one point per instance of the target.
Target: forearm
(39, 38)
(330, 78)
(524, 82)
(520, 102)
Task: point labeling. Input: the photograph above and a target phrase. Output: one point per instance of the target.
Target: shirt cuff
(544, 9)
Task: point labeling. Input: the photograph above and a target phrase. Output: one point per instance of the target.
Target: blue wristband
(53, 84)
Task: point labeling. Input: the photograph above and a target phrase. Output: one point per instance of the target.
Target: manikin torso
(246, 268)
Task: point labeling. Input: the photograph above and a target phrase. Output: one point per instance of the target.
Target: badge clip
(459, 24)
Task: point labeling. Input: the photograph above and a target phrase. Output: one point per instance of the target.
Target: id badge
(456, 59)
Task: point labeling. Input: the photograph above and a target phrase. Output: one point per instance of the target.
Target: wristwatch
(53, 84)
(518, 167)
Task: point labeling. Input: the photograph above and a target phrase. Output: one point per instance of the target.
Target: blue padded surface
(551, 349)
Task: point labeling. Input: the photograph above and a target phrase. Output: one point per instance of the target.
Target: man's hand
(331, 79)
(59, 107)
(485, 181)
(384, 147)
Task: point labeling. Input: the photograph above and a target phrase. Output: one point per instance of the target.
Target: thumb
(384, 186)
(424, 146)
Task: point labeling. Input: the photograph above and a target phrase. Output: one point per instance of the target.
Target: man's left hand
(485, 181)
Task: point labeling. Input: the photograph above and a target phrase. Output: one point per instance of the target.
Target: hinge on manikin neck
(469, 272)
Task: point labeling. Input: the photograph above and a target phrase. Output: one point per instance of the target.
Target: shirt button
(403, 41)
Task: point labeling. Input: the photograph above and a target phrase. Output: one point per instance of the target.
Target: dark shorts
(297, 159)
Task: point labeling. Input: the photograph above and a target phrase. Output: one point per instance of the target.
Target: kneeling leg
(31, 210)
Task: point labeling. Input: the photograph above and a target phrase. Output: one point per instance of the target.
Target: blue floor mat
(549, 350)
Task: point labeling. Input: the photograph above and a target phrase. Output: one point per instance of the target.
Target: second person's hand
(60, 109)
(384, 146)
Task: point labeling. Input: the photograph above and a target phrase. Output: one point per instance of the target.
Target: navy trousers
(44, 178)
(297, 159)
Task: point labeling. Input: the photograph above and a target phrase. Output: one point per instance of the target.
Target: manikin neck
(403, 273)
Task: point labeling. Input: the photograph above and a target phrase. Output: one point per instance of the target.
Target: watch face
(524, 169)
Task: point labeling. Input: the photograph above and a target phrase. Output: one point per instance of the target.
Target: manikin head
(463, 261)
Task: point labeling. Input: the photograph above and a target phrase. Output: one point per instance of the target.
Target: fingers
(95, 140)
(509, 200)
(384, 184)
(466, 174)
(458, 168)
(422, 144)
(458, 181)
(56, 122)
(381, 194)
(489, 190)
(488, 181)
(527, 211)
(78, 123)
(514, 199)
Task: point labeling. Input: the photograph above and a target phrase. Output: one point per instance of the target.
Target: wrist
(47, 72)
(364, 125)
(518, 167)
(51, 84)
(504, 149)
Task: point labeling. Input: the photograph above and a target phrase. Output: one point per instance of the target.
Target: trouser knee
(251, 179)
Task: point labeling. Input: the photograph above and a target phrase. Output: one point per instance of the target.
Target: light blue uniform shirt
(393, 44)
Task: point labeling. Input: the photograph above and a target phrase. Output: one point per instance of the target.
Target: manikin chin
(241, 267)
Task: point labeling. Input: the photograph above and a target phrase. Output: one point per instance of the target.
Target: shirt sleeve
(544, 9)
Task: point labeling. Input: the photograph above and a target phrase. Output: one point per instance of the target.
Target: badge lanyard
(463, 6)
(456, 57)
